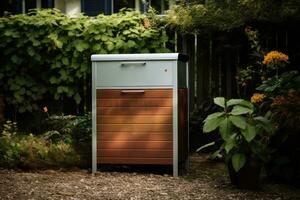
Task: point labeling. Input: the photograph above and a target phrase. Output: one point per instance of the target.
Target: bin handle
(132, 91)
(124, 64)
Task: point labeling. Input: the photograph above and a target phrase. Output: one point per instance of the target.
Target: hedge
(46, 54)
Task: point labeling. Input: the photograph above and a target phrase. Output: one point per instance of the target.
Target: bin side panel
(182, 125)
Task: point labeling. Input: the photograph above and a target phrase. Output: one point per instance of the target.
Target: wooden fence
(215, 59)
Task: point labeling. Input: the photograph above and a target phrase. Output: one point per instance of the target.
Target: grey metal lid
(141, 56)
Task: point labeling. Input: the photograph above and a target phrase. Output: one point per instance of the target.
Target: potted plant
(245, 138)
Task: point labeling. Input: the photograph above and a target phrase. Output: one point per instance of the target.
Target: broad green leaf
(265, 123)
(238, 161)
(96, 47)
(212, 124)
(110, 46)
(104, 38)
(229, 144)
(249, 132)
(239, 110)
(126, 32)
(80, 45)
(220, 101)
(130, 44)
(238, 121)
(214, 115)
(65, 61)
(225, 129)
(242, 102)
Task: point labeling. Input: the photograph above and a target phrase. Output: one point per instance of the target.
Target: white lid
(141, 56)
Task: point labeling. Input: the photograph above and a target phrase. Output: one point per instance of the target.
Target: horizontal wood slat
(134, 136)
(134, 111)
(124, 160)
(144, 102)
(161, 145)
(138, 119)
(135, 127)
(113, 94)
(133, 153)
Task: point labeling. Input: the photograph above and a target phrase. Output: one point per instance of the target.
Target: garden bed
(204, 180)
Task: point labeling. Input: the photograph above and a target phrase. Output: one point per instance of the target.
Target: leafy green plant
(244, 134)
(281, 84)
(46, 55)
(34, 152)
(82, 138)
(9, 146)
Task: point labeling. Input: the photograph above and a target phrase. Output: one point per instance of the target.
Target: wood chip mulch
(204, 180)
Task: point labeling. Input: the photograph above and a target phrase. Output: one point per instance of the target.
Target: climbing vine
(46, 54)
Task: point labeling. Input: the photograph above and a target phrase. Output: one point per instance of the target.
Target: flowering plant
(244, 133)
(275, 57)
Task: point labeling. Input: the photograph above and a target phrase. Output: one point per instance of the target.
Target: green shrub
(34, 152)
(57, 48)
(82, 138)
(9, 146)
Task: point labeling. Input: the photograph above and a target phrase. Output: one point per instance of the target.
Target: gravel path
(204, 180)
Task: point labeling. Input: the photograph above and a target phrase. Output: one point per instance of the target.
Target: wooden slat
(135, 127)
(114, 94)
(144, 102)
(162, 145)
(134, 111)
(134, 136)
(133, 153)
(138, 119)
(122, 160)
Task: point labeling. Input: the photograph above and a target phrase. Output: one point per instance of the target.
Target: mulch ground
(204, 180)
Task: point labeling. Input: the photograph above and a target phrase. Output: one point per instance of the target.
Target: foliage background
(45, 56)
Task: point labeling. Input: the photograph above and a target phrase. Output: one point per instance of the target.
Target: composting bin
(140, 109)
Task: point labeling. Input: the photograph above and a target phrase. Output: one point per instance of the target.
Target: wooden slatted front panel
(134, 128)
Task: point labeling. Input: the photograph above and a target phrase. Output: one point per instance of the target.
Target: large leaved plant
(245, 135)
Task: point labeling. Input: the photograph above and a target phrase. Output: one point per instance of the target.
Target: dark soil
(204, 180)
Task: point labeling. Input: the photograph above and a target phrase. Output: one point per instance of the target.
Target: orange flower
(256, 98)
(45, 109)
(275, 56)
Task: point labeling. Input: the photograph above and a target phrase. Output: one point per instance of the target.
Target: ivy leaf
(130, 44)
(96, 47)
(220, 101)
(238, 121)
(81, 45)
(238, 161)
(65, 61)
